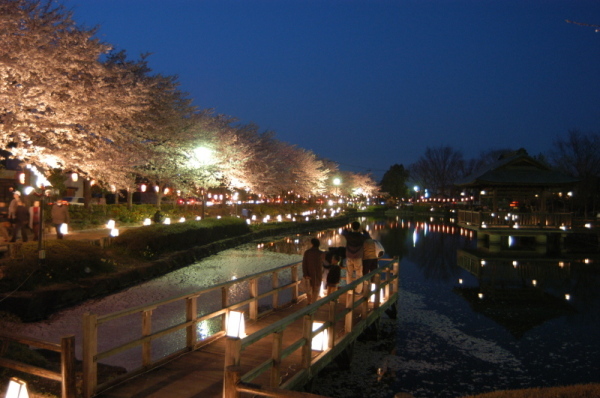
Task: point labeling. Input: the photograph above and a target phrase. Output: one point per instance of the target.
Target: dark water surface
(536, 325)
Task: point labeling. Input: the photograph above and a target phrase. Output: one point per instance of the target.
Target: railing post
(230, 382)
(349, 321)
(364, 306)
(191, 314)
(276, 357)
(274, 286)
(147, 331)
(231, 377)
(307, 335)
(67, 366)
(377, 282)
(397, 275)
(295, 289)
(253, 306)
(331, 327)
(90, 350)
(224, 304)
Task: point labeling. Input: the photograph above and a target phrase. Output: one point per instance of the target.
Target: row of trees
(576, 155)
(70, 103)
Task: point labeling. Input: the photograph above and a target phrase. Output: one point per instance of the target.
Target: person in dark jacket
(21, 219)
(60, 216)
(312, 269)
(355, 240)
(334, 274)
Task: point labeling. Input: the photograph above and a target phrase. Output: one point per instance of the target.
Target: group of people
(19, 219)
(361, 253)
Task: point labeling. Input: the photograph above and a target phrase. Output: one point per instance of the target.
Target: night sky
(373, 83)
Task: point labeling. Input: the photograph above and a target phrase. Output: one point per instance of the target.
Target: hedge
(153, 240)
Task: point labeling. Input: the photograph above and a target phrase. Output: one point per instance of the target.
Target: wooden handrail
(233, 354)
(91, 322)
(66, 349)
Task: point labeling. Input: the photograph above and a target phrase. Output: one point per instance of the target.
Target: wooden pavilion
(510, 202)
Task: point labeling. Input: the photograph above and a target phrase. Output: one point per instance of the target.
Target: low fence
(66, 349)
(382, 288)
(233, 295)
(259, 294)
(510, 219)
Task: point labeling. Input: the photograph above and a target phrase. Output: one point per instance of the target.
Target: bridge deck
(200, 373)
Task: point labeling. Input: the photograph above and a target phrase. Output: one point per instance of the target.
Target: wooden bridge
(285, 344)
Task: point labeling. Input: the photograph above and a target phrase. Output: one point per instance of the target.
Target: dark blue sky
(373, 83)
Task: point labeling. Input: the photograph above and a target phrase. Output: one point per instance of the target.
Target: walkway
(281, 351)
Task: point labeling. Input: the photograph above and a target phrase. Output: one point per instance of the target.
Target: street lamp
(337, 182)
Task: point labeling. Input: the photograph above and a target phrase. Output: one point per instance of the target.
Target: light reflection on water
(470, 321)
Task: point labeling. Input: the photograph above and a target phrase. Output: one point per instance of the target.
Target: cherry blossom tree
(60, 107)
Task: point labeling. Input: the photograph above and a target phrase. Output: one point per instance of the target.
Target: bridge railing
(382, 285)
(509, 219)
(260, 293)
(66, 349)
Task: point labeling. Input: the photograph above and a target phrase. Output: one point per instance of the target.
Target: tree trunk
(129, 199)
(87, 193)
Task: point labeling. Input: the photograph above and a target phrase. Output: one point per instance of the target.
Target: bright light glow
(567, 297)
(320, 342)
(534, 282)
(236, 326)
(480, 295)
(381, 294)
(110, 224)
(21, 178)
(143, 187)
(28, 190)
(17, 389)
(147, 221)
(198, 218)
(74, 177)
(167, 221)
(182, 219)
(114, 232)
(337, 181)
(64, 229)
(511, 241)
(588, 225)
(460, 281)
(156, 188)
(202, 156)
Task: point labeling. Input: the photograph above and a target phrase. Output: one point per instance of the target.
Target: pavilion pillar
(495, 199)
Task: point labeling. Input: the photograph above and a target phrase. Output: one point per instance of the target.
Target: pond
(471, 322)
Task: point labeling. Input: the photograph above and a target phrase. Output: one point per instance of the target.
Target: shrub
(153, 240)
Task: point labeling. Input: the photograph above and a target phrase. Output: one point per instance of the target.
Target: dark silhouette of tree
(438, 169)
(394, 181)
(578, 155)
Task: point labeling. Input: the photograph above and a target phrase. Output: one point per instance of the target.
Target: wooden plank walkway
(200, 373)
(273, 359)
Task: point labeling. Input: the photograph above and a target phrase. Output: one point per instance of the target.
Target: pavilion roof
(518, 169)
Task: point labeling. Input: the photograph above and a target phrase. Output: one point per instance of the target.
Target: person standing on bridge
(355, 240)
(312, 269)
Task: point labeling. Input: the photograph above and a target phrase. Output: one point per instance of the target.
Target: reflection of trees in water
(435, 251)
(299, 243)
(394, 241)
(585, 279)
